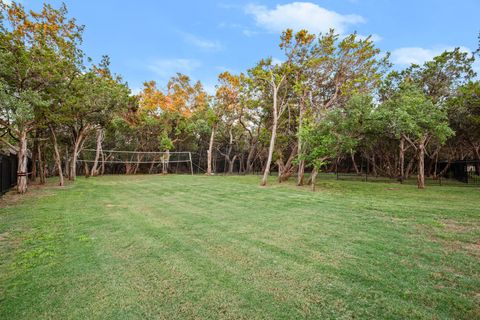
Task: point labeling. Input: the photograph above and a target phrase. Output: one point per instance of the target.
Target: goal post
(159, 158)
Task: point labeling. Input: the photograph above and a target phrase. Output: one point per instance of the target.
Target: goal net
(137, 159)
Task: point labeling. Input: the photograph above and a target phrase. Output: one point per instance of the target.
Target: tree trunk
(445, 169)
(301, 161)
(41, 165)
(374, 166)
(22, 173)
(249, 164)
(352, 156)
(402, 159)
(408, 170)
(98, 150)
(102, 172)
(66, 171)
(421, 164)
(436, 166)
(313, 178)
(76, 150)
(58, 160)
(33, 177)
(280, 169)
(150, 170)
(271, 147)
(86, 170)
(231, 163)
(137, 164)
(165, 160)
(288, 168)
(476, 150)
(209, 152)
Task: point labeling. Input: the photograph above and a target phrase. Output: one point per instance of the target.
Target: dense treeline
(332, 99)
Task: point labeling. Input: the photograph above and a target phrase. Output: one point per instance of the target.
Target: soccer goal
(98, 158)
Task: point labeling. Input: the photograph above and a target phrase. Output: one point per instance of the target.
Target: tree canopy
(331, 101)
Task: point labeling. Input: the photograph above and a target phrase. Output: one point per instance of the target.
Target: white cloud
(201, 43)
(418, 55)
(168, 67)
(301, 15)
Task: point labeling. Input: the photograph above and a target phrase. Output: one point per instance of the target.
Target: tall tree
(36, 49)
(271, 79)
(418, 120)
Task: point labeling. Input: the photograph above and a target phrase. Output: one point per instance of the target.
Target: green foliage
(165, 143)
(410, 113)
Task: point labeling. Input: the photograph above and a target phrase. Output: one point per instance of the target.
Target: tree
(271, 79)
(298, 49)
(415, 118)
(227, 110)
(319, 146)
(464, 115)
(96, 96)
(35, 50)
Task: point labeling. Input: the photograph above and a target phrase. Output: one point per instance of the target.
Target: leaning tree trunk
(271, 147)
(231, 164)
(288, 168)
(209, 152)
(352, 156)
(58, 160)
(150, 170)
(76, 150)
(137, 164)
(249, 164)
(409, 168)
(22, 163)
(421, 164)
(270, 154)
(98, 150)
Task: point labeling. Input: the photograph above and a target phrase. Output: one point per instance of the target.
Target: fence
(8, 170)
(460, 173)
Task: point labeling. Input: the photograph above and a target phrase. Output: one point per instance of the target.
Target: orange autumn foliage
(180, 97)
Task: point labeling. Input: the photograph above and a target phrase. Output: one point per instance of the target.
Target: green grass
(122, 247)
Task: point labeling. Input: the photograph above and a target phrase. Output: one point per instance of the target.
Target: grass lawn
(122, 247)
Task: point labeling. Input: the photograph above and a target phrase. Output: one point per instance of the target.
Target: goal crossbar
(140, 152)
(133, 157)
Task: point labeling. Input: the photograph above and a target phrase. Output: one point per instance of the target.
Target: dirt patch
(4, 236)
(34, 191)
(474, 249)
(454, 226)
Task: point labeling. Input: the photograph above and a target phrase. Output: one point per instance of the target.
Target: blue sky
(151, 40)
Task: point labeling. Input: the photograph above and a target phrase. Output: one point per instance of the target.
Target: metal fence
(8, 170)
(459, 173)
